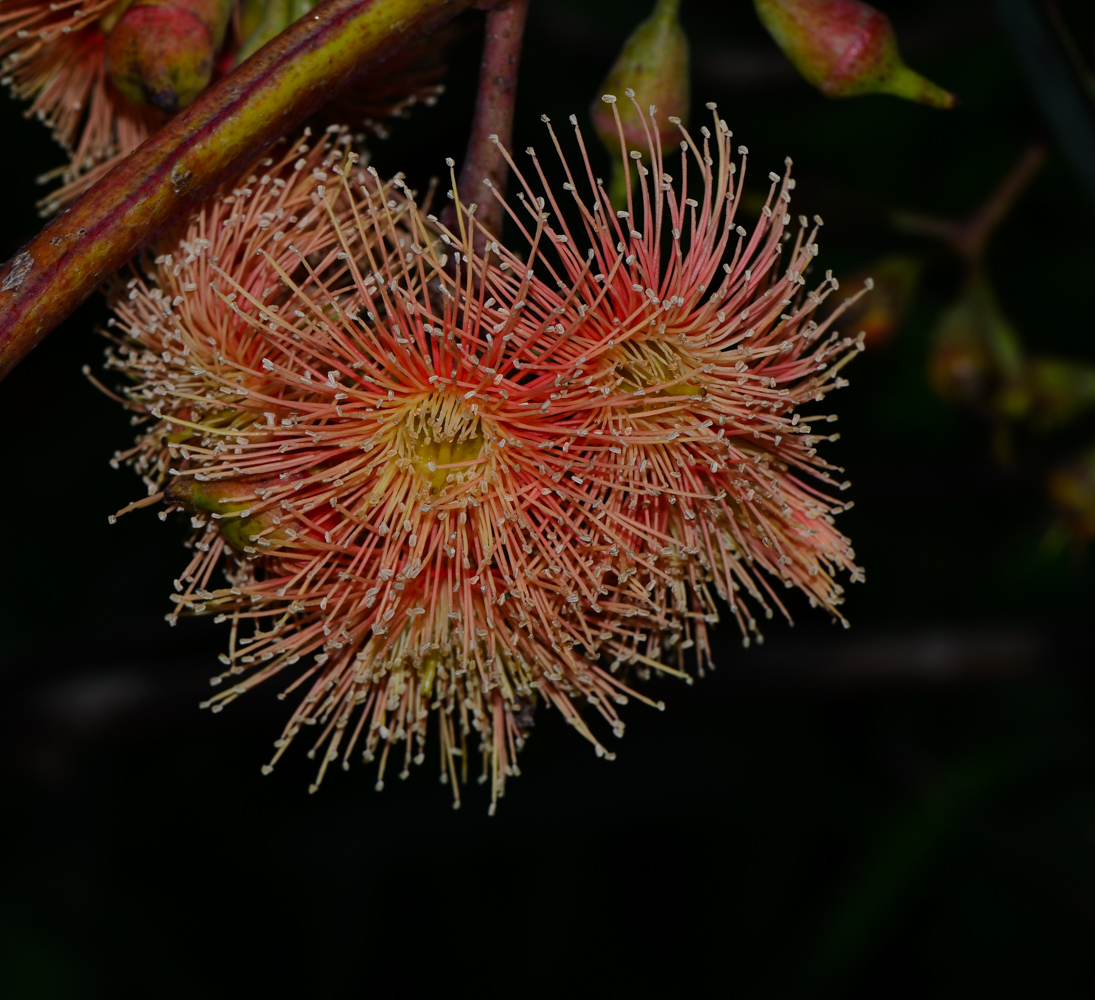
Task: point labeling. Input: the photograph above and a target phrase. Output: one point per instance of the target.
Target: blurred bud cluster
(979, 360)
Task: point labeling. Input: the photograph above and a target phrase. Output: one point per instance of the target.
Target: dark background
(906, 809)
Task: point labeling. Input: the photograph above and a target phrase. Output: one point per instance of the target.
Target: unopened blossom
(846, 48)
(654, 62)
(445, 482)
(162, 52)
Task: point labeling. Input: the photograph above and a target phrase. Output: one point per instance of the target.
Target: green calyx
(231, 500)
(654, 66)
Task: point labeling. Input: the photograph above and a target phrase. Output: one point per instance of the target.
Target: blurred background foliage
(903, 810)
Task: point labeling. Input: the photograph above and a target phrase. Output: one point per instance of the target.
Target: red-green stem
(493, 121)
(270, 94)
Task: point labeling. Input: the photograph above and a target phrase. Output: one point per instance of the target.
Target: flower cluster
(460, 482)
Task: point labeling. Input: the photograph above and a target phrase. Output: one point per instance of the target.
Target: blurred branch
(893, 865)
(969, 237)
(48, 721)
(1072, 50)
(1055, 83)
(893, 659)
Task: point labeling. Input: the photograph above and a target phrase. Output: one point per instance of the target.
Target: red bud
(163, 53)
(846, 48)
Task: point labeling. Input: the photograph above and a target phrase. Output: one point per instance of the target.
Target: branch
(969, 237)
(1055, 83)
(270, 94)
(505, 30)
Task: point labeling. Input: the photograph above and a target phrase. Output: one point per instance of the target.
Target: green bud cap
(846, 48)
(232, 500)
(265, 20)
(251, 13)
(653, 64)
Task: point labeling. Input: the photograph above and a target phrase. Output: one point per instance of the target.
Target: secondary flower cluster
(53, 57)
(465, 482)
(102, 94)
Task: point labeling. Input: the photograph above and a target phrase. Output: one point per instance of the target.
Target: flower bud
(1071, 489)
(880, 313)
(1060, 391)
(653, 65)
(846, 48)
(976, 357)
(163, 53)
